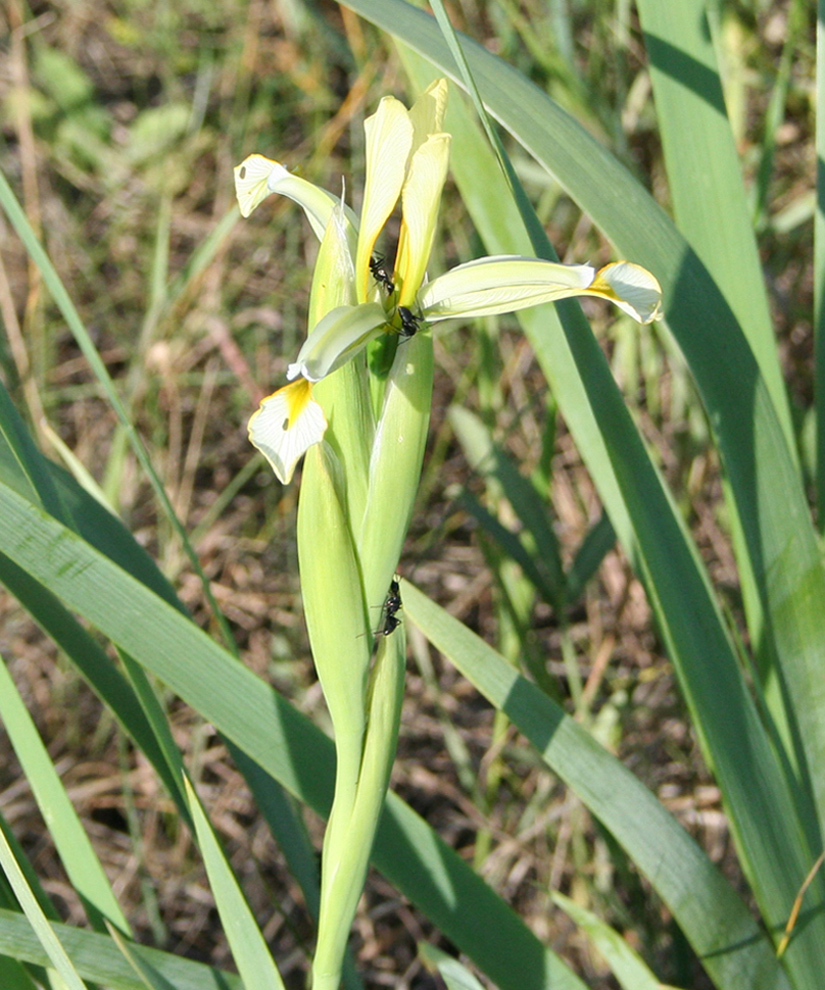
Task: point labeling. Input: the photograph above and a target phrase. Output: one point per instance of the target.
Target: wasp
(380, 273)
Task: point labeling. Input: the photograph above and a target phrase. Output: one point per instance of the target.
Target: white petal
(336, 339)
(634, 290)
(508, 283)
(286, 425)
(257, 177)
(251, 182)
(501, 284)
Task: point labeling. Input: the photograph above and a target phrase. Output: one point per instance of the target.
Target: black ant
(380, 273)
(391, 606)
(410, 323)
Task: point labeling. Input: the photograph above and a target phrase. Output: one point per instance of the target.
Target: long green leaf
(278, 738)
(624, 962)
(777, 526)
(254, 962)
(718, 924)
(705, 175)
(43, 929)
(97, 958)
(73, 845)
(705, 180)
(653, 536)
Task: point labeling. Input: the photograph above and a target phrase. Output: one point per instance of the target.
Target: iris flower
(407, 154)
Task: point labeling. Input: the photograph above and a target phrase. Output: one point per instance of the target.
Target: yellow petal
(427, 113)
(333, 278)
(286, 425)
(389, 134)
(420, 200)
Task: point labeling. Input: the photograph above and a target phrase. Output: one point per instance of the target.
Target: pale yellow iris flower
(407, 155)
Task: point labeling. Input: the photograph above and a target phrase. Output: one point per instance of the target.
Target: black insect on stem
(391, 607)
(380, 273)
(410, 323)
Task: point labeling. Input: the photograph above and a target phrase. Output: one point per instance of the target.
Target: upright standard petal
(336, 339)
(257, 177)
(389, 134)
(286, 425)
(420, 201)
(427, 113)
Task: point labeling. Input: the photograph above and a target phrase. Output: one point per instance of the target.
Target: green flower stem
(349, 839)
(365, 715)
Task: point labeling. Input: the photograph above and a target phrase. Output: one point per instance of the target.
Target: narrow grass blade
(64, 303)
(509, 542)
(489, 460)
(600, 539)
(625, 964)
(73, 845)
(456, 976)
(654, 537)
(819, 266)
(705, 175)
(249, 950)
(150, 977)
(718, 925)
(279, 739)
(97, 958)
(43, 929)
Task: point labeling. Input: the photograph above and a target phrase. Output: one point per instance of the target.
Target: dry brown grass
(259, 82)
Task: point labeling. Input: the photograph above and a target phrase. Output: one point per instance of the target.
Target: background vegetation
(121, 122)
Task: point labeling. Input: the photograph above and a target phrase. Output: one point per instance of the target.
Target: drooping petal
(251, 182)
(632, 288)
(505, 284)
(286, 425)
(420, 200)
(256, 177)
(389, 135)
(336, 339)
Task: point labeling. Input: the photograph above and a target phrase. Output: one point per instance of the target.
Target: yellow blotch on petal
(286, 425)
(632, 288)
